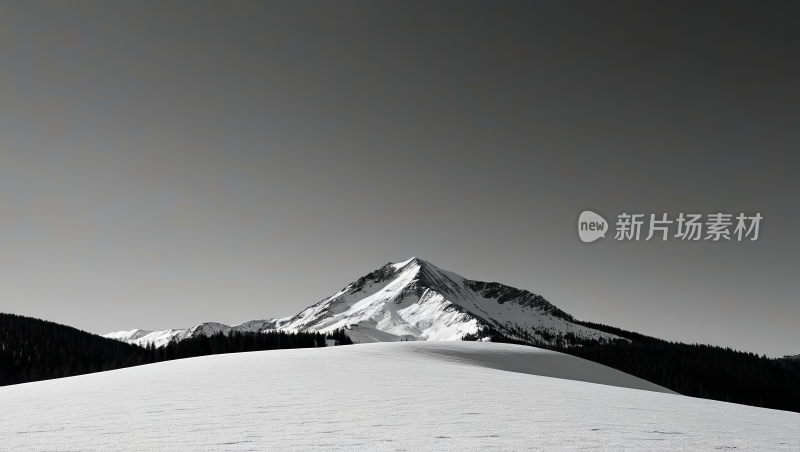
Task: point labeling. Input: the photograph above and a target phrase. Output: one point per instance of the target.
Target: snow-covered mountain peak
(416, 300)
(400, 265)
(128, 336)
(409, 300)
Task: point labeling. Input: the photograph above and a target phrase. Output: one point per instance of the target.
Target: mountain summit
(409, 300)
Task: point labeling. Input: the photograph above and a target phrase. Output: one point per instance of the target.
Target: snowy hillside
(410, 300)
(443, 396)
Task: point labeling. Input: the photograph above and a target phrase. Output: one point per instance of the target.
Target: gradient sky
(164, 164)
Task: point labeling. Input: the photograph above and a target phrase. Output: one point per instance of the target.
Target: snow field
(400, 396)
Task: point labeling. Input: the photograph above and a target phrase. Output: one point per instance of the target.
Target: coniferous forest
(33, 349)
(695, 370)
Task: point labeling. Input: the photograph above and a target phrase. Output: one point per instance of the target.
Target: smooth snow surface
(407, 396)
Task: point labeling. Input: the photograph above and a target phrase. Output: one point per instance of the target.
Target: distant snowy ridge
(160, 338)
(409, 300)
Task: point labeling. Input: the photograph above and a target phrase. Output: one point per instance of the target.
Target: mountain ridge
(408, 300)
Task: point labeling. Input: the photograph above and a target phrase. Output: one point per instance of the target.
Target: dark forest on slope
(695, 370)
(33, 349)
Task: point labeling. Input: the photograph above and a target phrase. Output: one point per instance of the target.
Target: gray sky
(162, 165)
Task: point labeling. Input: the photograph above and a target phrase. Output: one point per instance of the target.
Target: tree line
(237, 342)
(694, 370)
(32, 349)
